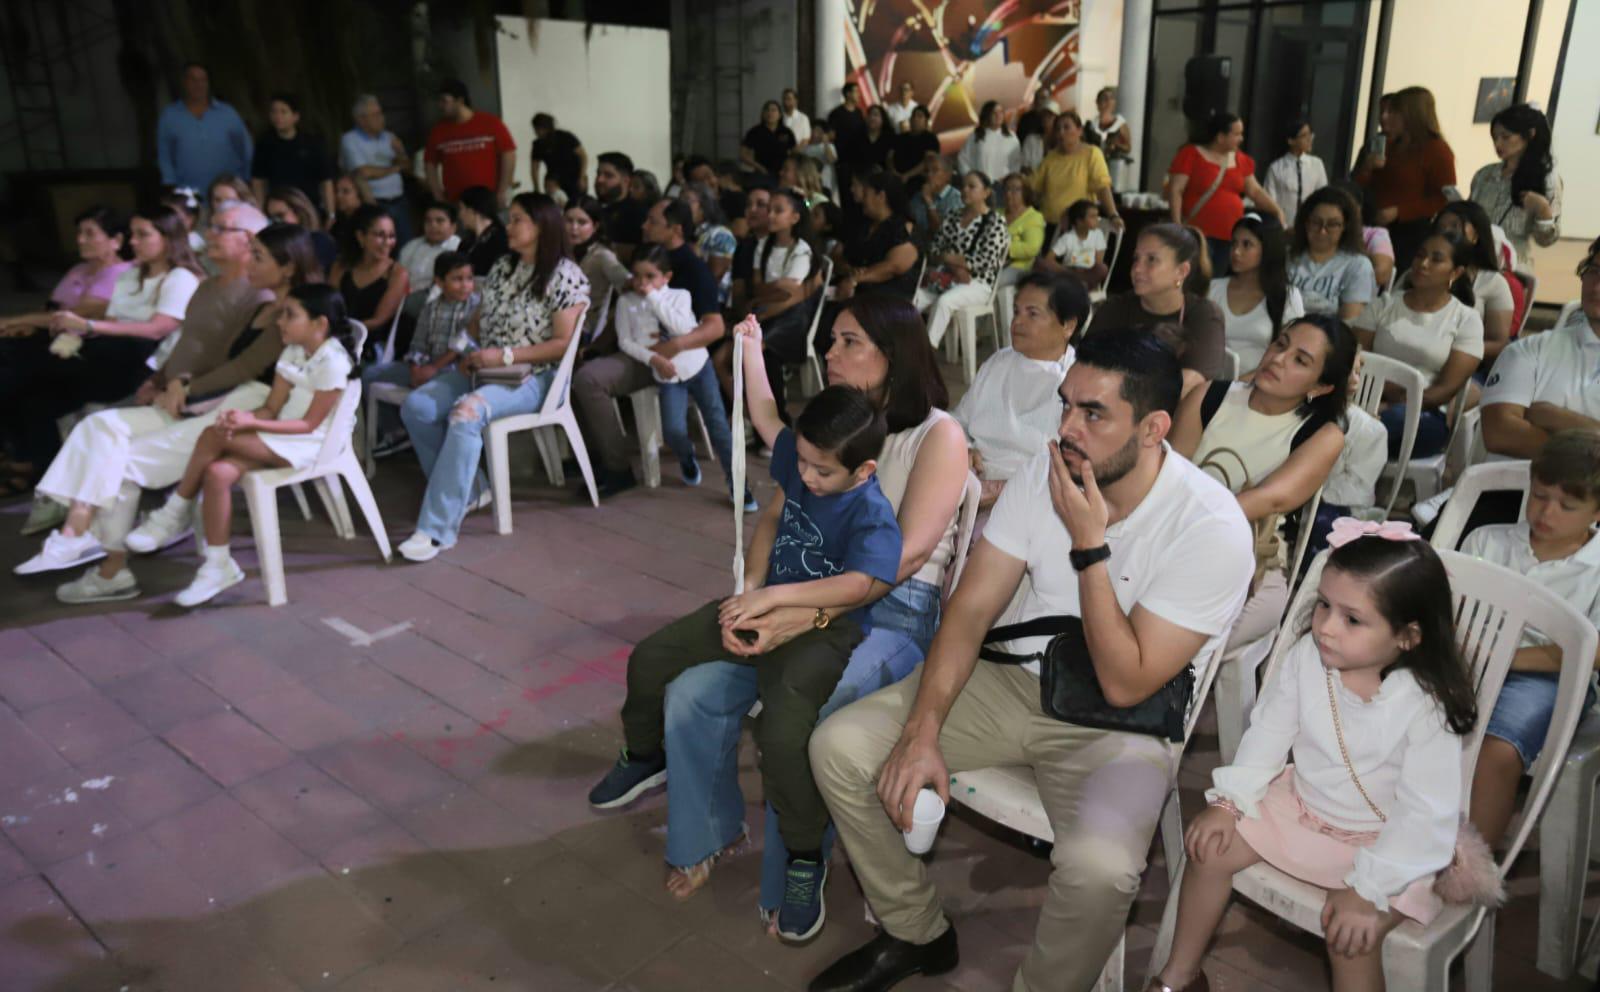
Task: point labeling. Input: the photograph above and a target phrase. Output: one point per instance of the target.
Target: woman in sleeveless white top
(922, 472)
(1273, 442)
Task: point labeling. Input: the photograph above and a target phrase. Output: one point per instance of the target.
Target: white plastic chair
(1530, 284)
(1509, 476)
(1009, 795)
(966, 523)
(1567, 310)
(1099, 295)
(647, 421)
(1232, 358)
(337, 460)
(1376, 370)
(812, 377)
(556, 411)
(964, 330)
(1492, 606)
(358, 342)
(1429, 474)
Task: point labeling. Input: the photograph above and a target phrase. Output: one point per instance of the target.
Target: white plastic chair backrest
(1393, 274)
(1530, 284)
(738, 468)
(1474, 482)
(1302, 541)
(605, 312)
(922, 270)
(816, 315)
(966, 523)
(387, 355)
(1466, 442)
(1232, 358)
(1491, 606)
(341, 427)
(1118, 238)
(1375, 371)
(1567, 310)
(358, 340)
(556, 398)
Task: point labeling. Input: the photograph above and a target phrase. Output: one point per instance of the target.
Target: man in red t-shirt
(468, 148)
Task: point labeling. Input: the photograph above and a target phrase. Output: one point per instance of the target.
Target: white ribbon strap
(738, 465)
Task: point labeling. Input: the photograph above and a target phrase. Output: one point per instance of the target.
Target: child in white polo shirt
(1556, 546)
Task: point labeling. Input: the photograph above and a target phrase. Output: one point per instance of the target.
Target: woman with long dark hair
(372, 282)
(531, 301)
(1522, 192)
(1256, 299)
(1492, 295)
(592, 251)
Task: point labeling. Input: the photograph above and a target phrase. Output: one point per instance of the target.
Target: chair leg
(969, 345)
(369, 431)
(300, 498)
(1479, 957)
(622, 425)
(579, 452)
(1169, 922)
(550, 454)
(263, 504)
(332, 493)
(647, 418)
(1172, 834)
(1564, 836)
(705, 432)
(500, 479)
(369, 507)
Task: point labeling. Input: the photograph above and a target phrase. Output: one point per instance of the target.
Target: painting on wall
(1495, 94)
(960, 54)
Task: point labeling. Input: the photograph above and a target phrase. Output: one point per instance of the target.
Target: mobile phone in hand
(1380, 144)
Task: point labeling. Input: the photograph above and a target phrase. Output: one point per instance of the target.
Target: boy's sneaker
(45, 514)
(802, 914)
(162, 527)
(691, 471)
(391, 444)
(91, 588)
(212, 578)
(61, 551)
(628, 779)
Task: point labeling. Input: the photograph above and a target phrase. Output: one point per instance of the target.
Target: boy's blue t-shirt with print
(823, 536)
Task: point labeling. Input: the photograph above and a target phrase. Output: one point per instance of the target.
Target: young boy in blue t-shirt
(823, 542)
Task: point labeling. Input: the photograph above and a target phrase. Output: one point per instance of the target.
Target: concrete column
(1133, 81)
(832, 16)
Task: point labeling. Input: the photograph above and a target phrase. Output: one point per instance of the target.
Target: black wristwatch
(1088, 556)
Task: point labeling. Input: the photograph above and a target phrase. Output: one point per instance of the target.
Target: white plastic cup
(925, 818)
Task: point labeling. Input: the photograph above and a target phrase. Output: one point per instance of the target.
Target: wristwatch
(1088, 556)
(507, 356)
(821, 620)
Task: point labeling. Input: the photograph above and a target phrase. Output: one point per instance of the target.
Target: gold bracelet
(1228, 805)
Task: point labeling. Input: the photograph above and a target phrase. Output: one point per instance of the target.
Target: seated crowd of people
(1140, 465)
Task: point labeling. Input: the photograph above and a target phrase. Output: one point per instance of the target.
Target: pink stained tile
(149, 780)
(33, 674)
(43, 944)
(229, 853)
(84, 727)
(228, 747)
(369, 694)
(100, 650)
(300, 719)
(27, 757)
(383, 771)
(460, 744)
(239, 673)
(308, 808)
(130, 881)
(162, 698)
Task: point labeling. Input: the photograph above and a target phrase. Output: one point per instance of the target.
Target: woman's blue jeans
(1433, 431)
(706, 704)
(446, 419)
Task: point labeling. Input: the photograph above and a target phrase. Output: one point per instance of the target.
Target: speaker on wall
(1205, 86)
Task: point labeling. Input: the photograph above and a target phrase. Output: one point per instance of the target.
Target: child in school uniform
(1555, 545)
(826, 540)
(1349, 777)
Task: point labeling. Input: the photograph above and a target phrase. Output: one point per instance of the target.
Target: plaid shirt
(437, 324)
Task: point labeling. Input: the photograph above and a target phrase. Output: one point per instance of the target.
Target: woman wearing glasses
(1325, 258)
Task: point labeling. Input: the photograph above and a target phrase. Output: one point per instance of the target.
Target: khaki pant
(1102, 790)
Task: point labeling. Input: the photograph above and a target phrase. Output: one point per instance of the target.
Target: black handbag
(1069, 690)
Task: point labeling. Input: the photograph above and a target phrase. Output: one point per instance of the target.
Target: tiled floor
(246, 799)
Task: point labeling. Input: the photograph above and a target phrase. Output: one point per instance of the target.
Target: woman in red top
(1409, 174)
(1208, 184)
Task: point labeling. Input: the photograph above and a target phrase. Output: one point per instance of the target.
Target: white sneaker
(162, 527)
(212, 578)
(91, 588)
(61, 551)
(419, 547)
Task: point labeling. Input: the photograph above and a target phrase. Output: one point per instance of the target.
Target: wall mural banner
(960, 54)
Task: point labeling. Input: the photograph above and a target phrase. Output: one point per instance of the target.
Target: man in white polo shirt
(1543, 383)
(1107, 525)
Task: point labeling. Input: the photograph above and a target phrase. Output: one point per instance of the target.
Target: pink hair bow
(1347, 529)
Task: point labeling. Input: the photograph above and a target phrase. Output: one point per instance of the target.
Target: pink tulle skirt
(1292, 839)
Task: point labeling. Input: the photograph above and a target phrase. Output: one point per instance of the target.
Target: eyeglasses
(1326, 225)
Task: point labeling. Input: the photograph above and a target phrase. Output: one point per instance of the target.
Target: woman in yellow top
(1074, 170)
(1024, 225)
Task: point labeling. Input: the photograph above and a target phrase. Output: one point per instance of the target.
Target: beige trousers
(1103, 792)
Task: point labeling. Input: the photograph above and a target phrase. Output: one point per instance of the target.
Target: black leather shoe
(613, 483)
(885, 961)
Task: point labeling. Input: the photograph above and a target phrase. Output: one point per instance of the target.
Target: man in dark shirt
(622, 216)
(668, 224)
(563, 156)
(287, 156)
(849, 129)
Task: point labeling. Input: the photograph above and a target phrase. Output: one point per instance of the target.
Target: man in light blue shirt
(198, 138)
(378, 158)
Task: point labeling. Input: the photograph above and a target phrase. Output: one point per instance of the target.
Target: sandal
(683, 883)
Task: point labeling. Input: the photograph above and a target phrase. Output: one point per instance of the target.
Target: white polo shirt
(1185, 552)
(1423, 341)
(1560, 366)
(1575, 579)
